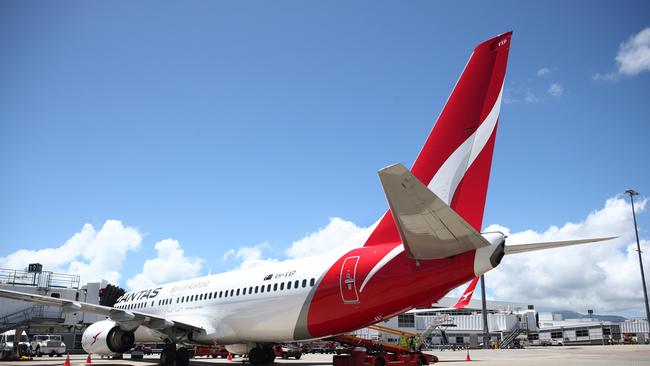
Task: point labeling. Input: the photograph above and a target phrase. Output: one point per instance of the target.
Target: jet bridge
(41, 318)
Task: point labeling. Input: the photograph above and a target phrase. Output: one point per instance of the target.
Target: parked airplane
(427, 243)
(462, 302)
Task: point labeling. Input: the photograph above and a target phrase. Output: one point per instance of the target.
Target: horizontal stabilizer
(428, 227)
(520, 248)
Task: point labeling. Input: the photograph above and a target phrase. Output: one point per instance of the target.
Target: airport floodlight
(633, 193)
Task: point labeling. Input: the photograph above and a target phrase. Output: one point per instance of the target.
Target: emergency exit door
(348, 280)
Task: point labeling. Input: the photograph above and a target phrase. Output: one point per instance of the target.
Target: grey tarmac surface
(544, 356)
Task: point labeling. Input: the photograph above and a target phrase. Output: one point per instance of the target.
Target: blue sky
(224, 125)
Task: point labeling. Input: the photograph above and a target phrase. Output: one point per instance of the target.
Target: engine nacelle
(239, 348)
(106, 338)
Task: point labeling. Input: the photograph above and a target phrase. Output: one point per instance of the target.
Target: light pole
(633, 193)
(486, 331)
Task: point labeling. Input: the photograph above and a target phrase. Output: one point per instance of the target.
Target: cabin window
(237, 292)
(268, 288)
(304, 283)
(275, 287)
(250, 290)
(295, 284)
(256, 288)
(215, 294)
(232, 292)
(220, 294)
(262, 290)
(244, 293)
(289, 285)
(281, 286)
(312, 282)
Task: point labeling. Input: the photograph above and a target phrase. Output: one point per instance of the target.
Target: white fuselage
(260, 304)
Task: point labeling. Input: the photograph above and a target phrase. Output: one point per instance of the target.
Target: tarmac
(535, 356)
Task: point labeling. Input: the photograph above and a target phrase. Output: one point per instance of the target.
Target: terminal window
(556, 335)
(582, 333)
(406, 320)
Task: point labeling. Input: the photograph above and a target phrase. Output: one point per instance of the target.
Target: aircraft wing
(119, 315)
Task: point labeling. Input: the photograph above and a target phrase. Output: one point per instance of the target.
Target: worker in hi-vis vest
(402, 342)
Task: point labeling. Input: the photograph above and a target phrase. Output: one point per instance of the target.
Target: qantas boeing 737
(427, 243)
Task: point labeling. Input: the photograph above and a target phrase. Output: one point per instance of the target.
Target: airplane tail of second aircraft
(455, 161)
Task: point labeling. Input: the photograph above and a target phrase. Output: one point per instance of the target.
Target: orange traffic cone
(67, 359)
(467, 358)
(88, 361)
(229, 356)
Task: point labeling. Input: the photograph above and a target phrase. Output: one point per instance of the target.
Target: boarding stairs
(442, 320)
(35, 315)
(508, 339)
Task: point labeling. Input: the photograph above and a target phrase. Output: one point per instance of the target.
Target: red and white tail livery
(466, 296)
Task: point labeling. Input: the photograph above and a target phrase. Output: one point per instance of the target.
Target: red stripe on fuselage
(400, 285)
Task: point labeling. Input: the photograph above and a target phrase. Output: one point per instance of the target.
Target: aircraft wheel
(182, 357)
(168, 356)
(255, 356)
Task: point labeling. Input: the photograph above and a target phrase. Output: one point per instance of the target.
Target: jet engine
(106, 338)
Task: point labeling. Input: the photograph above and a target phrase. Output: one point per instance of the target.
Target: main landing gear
(261, 355)
(170, 356)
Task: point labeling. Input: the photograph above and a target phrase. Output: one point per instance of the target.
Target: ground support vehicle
(46, 344)
(287, 350)
(360, 357)
(137, 353)
(7, 343)
(368, 352)
(210, 351)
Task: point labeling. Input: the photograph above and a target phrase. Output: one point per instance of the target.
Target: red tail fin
(467, 295)
(456, 158)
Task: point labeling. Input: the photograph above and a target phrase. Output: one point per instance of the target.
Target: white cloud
(517, 94)
(612, 76)
(93, 255)
(544, 71)
(338, 234)
(604, 276)
(529, 97)
(171, 264)
(556, 90)
(633, 57)
(249, 257)
(337, 237)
